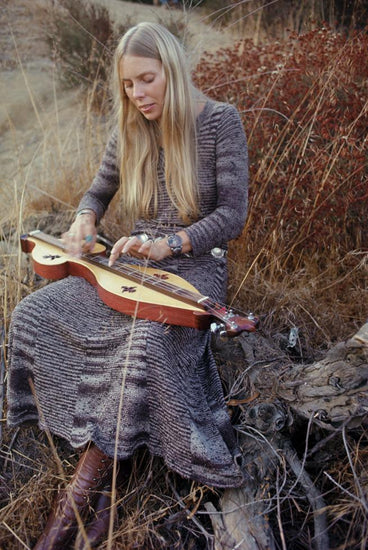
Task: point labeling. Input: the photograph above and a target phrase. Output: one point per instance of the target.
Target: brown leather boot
(98, 526)
(93, 471)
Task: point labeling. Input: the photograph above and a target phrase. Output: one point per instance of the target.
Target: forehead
(132, 66)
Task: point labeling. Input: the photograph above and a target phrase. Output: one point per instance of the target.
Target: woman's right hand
(81, 237)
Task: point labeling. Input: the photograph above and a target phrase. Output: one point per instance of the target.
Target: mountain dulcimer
(144, 292)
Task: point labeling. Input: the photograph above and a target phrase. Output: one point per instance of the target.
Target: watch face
(175, 243)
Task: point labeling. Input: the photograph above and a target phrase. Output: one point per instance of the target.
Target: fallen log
(271, 395)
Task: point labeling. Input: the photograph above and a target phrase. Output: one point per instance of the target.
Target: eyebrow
(145, 73)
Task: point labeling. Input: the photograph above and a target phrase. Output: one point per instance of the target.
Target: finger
(129, 243)
(68, 236)
(88, 243)
(122, 246)
(146, 248)
(114, 254)
(73, 243)
(116, 251)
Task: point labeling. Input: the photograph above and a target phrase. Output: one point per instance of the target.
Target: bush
(83, 38)
(304, 106)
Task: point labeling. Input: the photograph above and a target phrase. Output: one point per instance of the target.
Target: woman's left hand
(133, 246)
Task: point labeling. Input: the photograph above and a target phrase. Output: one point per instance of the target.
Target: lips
(147, 108)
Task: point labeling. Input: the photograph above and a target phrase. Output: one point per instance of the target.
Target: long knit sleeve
(229, 161)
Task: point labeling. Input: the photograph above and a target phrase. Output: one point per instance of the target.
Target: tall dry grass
(301, 262)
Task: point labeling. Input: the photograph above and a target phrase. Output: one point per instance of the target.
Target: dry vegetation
(300, 264)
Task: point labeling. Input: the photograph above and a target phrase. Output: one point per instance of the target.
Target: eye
(127, 85)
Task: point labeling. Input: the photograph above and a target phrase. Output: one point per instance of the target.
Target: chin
(155, 114)
(152, 116)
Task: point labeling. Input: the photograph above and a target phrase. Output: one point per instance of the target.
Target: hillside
(39, 117)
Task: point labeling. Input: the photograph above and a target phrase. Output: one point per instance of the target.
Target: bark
(334, 390)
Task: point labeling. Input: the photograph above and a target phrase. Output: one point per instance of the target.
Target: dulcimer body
(139, 291)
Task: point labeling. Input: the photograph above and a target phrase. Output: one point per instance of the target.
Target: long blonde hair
(139, 141)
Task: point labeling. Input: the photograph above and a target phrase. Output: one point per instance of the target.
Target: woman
(179, 161)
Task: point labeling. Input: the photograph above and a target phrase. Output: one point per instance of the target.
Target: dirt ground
(34, 108)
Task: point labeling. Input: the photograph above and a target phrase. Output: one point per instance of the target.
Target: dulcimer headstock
(228, 323)
(238, 324)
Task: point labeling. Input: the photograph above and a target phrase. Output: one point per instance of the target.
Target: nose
(138, 91)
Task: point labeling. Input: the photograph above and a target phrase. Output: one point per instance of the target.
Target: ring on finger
(143, 237)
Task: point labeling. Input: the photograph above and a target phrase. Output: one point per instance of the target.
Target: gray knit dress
(125, 383)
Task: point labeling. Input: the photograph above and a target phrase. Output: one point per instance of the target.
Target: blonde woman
(179, 162)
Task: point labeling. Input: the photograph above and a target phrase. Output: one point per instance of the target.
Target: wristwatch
(175, 243)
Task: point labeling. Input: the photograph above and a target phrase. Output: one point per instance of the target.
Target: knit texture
(124, 383)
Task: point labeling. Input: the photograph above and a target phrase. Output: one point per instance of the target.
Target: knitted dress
(124, 383)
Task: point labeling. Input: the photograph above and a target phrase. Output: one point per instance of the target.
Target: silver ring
(143, 237)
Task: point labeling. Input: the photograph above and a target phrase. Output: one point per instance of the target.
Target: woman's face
(144, 82)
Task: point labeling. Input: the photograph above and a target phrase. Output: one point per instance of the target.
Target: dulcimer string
(142, 278)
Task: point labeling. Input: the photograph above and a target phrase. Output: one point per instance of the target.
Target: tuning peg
(218, 328)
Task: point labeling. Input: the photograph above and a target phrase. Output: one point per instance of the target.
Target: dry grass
(155, 508)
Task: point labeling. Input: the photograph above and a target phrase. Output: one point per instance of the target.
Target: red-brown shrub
(304, 106)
